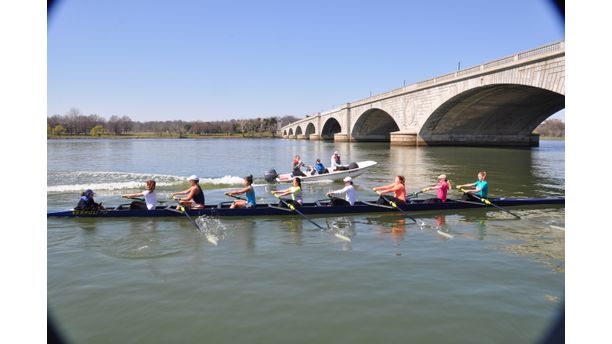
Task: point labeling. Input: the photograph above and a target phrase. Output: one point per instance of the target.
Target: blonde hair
(484, 174)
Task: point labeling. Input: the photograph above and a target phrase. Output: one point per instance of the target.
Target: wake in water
(118, 182)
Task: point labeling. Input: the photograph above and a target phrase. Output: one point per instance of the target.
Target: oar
(134, 198)
(487, 202)
(184, 211)
(290, 206)
(396, 207)
(456, 200)
(234, 196)
(211, 238)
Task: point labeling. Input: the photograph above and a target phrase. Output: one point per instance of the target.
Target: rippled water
(470, 276)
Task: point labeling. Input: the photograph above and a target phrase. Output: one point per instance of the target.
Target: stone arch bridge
(497, 103)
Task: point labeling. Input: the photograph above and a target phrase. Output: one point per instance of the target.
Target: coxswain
(86, 202)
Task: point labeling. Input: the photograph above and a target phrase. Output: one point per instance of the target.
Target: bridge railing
(546, 49)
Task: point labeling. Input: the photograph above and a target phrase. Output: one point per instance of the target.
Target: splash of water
(211, 228)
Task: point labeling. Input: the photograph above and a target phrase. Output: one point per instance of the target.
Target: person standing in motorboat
(336, 163)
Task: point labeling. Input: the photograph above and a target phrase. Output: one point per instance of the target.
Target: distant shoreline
(192, 136)
(157, 136)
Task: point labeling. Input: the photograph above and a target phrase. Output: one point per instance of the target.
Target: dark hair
(402, 179)
(249, 179)
(298, 180)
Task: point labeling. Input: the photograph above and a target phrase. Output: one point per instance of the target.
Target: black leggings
(469, 197)
(288, 201)
(338, 202)
(138, 205)
(397, 201)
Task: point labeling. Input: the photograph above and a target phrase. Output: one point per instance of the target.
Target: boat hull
(338, 175)
(317, 208)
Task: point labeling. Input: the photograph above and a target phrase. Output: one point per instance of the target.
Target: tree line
(74, 123)
(551, 127)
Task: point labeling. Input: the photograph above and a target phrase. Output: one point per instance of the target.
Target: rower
(336, 163)
(318, 168)
(86, 202)
(442, 187)
(349, 194)
(296, 166)
(249, 193)
(398, 188)
(295, 191)
(481, 188)
(149, 197)
(195, 195)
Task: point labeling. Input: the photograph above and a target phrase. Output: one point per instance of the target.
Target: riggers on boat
(316, 208)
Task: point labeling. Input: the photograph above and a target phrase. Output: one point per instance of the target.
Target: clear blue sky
(203, 60)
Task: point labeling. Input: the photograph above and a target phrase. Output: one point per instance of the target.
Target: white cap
(194, 177)
(347, 179)
(442, 176)
(336, 153)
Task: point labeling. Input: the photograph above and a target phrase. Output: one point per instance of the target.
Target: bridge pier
(399, 138)
(339, 137)
(315, 137)
(301, 137)
(532, 140)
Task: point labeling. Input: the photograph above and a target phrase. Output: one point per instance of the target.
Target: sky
(204, 60)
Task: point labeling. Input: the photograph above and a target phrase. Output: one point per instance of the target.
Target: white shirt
(350, 193)
(149, 197)
(334, 164)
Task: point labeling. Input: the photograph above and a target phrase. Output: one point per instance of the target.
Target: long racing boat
(320, 207)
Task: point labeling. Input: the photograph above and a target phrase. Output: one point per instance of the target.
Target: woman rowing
(296, 167)
(442, 189)
(149, 197)
(195, 195)
(248, 191)
(86, 202)
(295, 191)
(398, 188)
(480, 188)
(350, 196)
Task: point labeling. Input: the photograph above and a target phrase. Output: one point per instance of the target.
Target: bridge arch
(331, 127)
(290, 131)
(298, 130)
(310, 129)
(285, 132)
(490, 113)
(374, 125)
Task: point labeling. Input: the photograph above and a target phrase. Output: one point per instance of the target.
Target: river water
(468, 276)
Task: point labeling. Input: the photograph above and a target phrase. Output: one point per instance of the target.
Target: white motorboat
(362, 166)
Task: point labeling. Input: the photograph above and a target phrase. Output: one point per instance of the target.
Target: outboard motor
(270, 176)
(353, 166)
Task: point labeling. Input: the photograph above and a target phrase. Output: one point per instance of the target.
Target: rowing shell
(316, 208)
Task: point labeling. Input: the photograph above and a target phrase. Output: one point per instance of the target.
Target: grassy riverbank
(149, 135)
